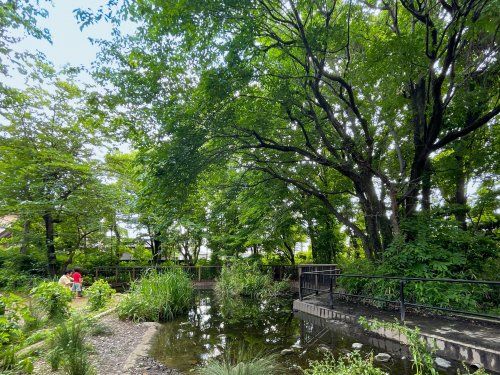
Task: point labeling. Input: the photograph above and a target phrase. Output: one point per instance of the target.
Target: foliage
(241, 362)
(13, 312)
(438, 249)
(157, 296)
(99, 293)
(53, 298)
(245, 279)
(69, 349)
(350, 364)
(422, 355)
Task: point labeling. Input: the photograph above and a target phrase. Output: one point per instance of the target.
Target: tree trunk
(49, 242)
(25, 239)
(426, 186)
(156, 248)
(460, 209)
(290, 252)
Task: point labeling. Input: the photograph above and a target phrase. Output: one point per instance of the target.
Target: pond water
(211, 329)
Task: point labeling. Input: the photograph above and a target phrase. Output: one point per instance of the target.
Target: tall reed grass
(157, 297)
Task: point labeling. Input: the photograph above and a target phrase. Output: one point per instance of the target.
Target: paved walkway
(456, 337)
(479, 333)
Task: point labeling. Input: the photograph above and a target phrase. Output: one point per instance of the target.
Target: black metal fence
(124, 275)
(327, 282)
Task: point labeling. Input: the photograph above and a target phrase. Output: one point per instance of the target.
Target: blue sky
(70, 45)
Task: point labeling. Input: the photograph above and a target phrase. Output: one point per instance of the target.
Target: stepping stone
(382, 357)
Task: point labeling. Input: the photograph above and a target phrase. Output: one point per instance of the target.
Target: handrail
(326, 281)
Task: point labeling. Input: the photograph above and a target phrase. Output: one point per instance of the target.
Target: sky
(69, 45)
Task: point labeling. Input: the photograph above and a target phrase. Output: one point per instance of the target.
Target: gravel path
(111, 351)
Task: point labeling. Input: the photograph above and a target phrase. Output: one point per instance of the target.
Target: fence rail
(326, 282)
(124, 275)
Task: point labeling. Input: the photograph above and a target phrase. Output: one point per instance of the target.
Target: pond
(210, 329)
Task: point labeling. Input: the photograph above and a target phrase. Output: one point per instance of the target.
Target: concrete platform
(461, 340)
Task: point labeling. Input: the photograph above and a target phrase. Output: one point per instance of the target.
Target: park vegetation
(158, 297)
(363, 131)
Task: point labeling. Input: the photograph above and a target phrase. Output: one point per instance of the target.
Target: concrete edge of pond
(456, 350)
(142, 349)
(40, 344)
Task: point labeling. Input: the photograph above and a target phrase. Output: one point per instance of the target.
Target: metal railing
(325, 282)
(126, 274)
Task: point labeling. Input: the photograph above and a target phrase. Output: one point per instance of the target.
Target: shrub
(245, 279)
(68, 348)
(350, 364)
(53, 298)
(157, 297)
(242, 363)
(99, 293)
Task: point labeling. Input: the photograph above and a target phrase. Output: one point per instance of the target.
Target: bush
(350, 364)
(68, 348)
(53, 298)
(241, 363)
(245, 279)
(157, 297)
(99, 293)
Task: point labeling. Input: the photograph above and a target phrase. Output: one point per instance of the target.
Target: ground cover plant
(157, 296)
(53, 298)
(99, 294)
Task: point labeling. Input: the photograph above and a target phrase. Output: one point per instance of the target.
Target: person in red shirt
(77, 282)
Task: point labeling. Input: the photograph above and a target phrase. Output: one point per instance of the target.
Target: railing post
(116, 274)
(300, 286)
(316, 279)
(331, 292)
(199, 273)
(402, 308)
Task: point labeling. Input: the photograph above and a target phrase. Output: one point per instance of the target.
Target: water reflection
(211, 329)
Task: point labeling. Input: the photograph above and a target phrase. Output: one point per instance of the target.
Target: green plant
(99, 293)
(69, 349)
(241, 362)
(349, 364)
(157, 297)
(244, 278)
(422, 354)
(53, 298)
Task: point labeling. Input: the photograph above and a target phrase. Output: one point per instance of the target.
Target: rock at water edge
(443, 363)
(382, 357)
(357, 346)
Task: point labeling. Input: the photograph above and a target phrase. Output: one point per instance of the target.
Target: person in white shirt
(65, 280)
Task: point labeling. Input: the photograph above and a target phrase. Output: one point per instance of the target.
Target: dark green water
(210, 329)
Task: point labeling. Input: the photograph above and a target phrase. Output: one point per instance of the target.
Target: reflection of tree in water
(212, 328)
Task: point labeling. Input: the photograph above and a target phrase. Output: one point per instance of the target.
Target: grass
(69, 349)
(157, 297)
(242, 362)
(245, 279)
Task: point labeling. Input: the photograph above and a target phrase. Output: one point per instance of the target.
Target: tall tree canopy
(348, 102)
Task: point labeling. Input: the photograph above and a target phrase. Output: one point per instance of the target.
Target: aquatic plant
(157, 297)
(350, 364)
(245, 278)
(242, 362)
